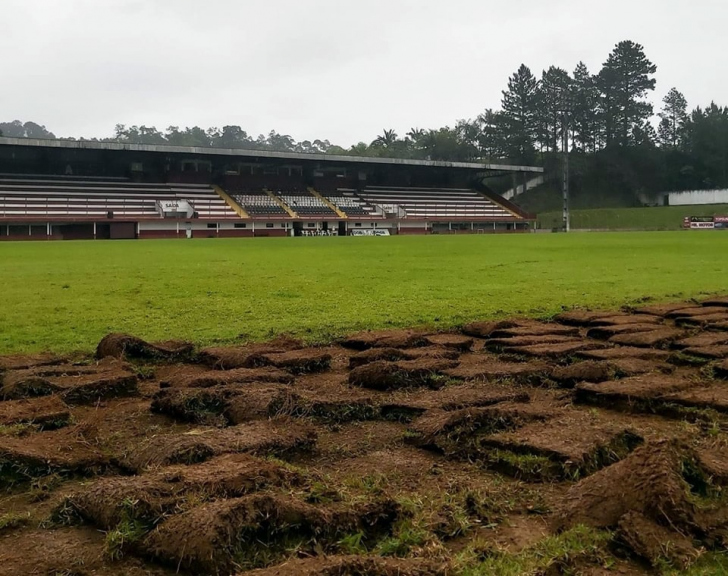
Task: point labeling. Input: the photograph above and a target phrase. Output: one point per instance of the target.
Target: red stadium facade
(59, 189)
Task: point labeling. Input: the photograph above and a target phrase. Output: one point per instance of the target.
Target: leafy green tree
(386, 140)
(672, 119)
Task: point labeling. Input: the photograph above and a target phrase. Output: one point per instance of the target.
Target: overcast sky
(335, 69)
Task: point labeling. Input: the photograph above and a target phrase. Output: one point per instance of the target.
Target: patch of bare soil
(220, 536)
(67, 451)
(649, 497)
(710, 352)
(125, 346)
(652, 338)
(278, 437)
(48, 413)
(640, 393)
(607, 331)
(423, 448)
(386, 339)
(581, 317)
(620, 352)
(486, 329)
(556, 451)
(454, 341)
(403, 374)
(554, 351)
(212, 378)
(662, 309)
(355, 566)
(703, 339)
(535, 329)
(299, 361)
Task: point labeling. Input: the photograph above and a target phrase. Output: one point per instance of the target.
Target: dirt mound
(649, 486)
(721, 369)
(619, 320)
(535, 330)
(275, 437)
(703, 339)
(499, 344)
(713, 397)
(354, 566)
(403, 374)
(694, 312)
(454, 341)
(654, 542)
(386, 339)
(486, 367)
(555, 351)
(649, 339)
(607, 331)
(213, 538)
(460, 432)
(147, 499)
(66, 451)
(580, 317)
(624, 352)
(226, 405)
(707, 321)
(214, 378)
(636, 393)
(231, 357)
(589, 371)
(25, 361)
(67, 552)
(571, 445)
(661, 309)
(601, 371)
(305, 361)
(485, 329)
(405, 406)
(48, 413)
(377, 355)
(709, 352)
(127, 346)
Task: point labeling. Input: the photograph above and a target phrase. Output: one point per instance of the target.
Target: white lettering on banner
(702, 225)
(378, 232)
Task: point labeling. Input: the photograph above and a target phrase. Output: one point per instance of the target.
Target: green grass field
(65, 296)
(662, 218)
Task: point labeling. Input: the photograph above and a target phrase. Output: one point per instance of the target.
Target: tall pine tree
(672, 119)
(520, 110)
(625, 81)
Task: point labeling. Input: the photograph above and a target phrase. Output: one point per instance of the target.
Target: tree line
(622, 151)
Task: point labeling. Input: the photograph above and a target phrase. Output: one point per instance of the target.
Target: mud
(402, 452)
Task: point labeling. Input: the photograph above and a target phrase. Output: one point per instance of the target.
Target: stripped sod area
(65, 296)
(593, 443)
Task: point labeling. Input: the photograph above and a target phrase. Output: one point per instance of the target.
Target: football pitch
(65, 296)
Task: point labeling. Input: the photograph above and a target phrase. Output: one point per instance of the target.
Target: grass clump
(12, 520)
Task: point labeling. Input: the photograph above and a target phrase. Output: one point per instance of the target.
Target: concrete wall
(697, 197)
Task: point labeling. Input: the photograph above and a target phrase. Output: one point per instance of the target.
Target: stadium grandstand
(61, 189)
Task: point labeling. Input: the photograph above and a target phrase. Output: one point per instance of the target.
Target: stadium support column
(565, 144)
(524, 177)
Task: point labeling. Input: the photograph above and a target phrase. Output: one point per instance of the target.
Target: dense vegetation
(622, 153)
(67, 295)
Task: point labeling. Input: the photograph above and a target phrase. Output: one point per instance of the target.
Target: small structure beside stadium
(62, 189)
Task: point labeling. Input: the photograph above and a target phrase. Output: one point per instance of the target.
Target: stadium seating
(306, 204)
(59, 197)
(433, 202)
(257, 203)
(347, 200)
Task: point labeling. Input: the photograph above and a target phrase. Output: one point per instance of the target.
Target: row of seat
(433, 202)
(77, 198)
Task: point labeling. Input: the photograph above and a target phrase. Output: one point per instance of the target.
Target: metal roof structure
(258, 154)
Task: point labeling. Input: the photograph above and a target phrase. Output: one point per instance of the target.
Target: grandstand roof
(190, 150)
